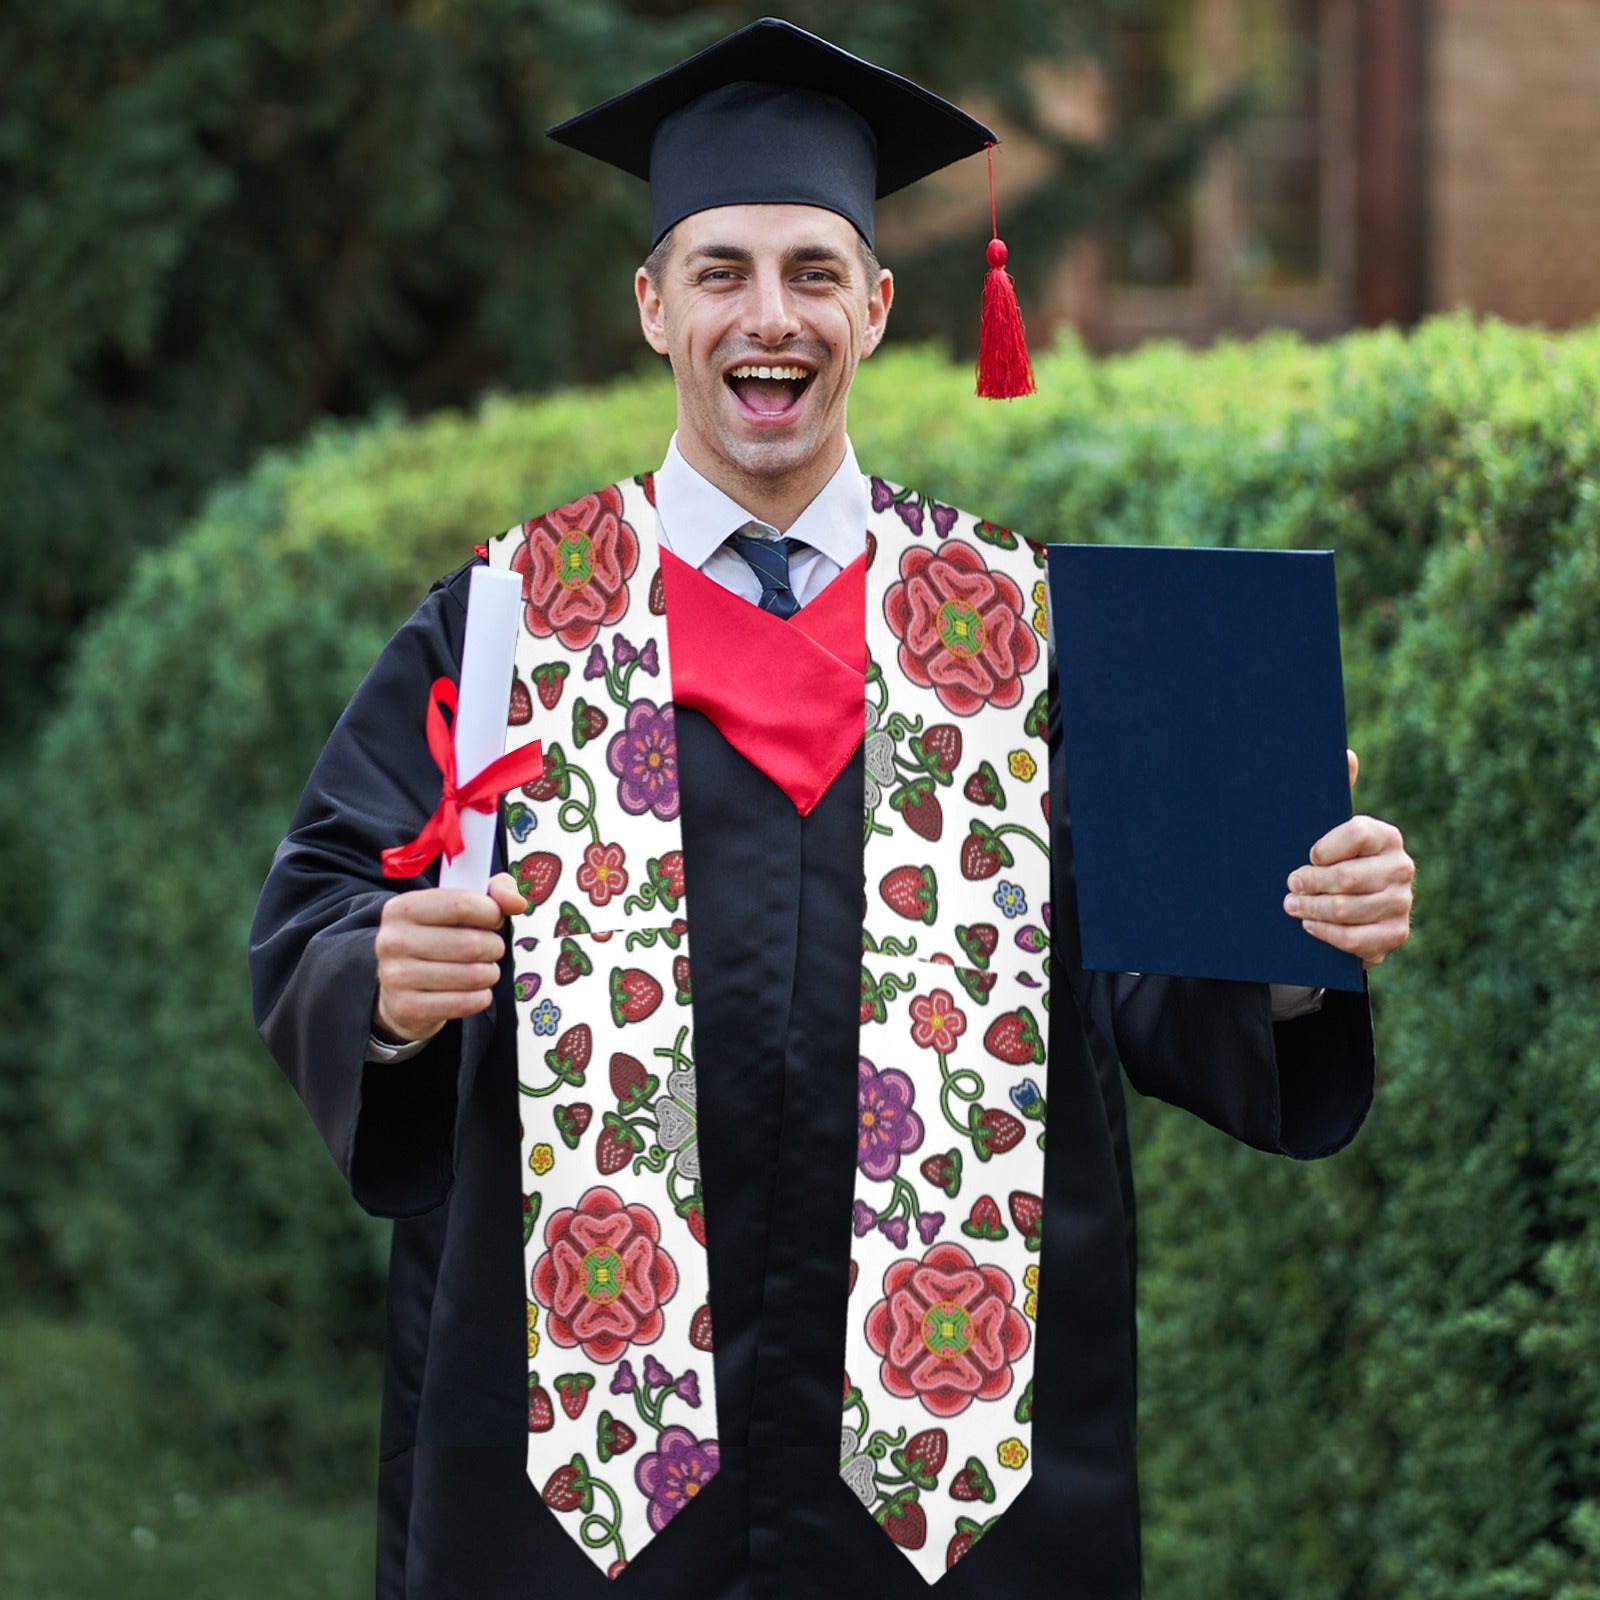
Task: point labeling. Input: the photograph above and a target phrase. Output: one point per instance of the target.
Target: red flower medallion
(575, 564)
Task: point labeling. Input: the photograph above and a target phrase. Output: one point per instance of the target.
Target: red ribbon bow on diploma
(442, 831)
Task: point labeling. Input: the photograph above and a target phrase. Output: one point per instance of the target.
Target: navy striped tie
(769, 560)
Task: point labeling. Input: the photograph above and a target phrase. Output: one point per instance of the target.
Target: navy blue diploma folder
(1202, 712)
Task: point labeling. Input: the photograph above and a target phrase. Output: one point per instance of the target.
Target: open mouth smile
(770, 392)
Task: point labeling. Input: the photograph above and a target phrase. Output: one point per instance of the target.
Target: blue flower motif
(520, 820)
(1011, 900)
(1025, 1095)
(545, 1017)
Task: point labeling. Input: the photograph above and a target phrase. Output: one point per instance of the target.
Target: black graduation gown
(776, 904)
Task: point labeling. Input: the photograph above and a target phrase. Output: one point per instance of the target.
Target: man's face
(764, 311)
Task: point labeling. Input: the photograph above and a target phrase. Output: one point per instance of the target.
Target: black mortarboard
(774, 115)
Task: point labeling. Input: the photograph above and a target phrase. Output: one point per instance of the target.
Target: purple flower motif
(863, 1218)
(929, 1224)
(644, 757)
(944, 519)
(648, 658)
(687, 1388)
(656, 1376)
(675, 1472)
(886, 1126)
(882, 495)
(895, 1231)
(595, 666)
(622, 652)
(1031, 939)
(1028, 979)
(1045, 911)
(623, 1380)
(910, 513)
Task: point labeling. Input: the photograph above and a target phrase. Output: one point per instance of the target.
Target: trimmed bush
(1372, 1377)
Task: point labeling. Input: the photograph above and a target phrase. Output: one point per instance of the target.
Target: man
(735, 1139)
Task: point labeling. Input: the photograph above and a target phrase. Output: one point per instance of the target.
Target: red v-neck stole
(789, 696)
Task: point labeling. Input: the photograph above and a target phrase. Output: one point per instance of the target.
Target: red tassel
(1004, 370)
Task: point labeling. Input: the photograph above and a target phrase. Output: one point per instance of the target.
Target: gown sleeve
(1299, 1088)
(313, 966)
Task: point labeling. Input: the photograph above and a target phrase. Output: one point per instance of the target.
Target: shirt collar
(696, 517)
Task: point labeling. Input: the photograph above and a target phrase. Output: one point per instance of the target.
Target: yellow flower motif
(533, 1337)
(1041, 617)
(542, 1159)
(1030, 1278)
(1030, 1282)
(1030, 1306)
(1012, 1453)
(1022, 765)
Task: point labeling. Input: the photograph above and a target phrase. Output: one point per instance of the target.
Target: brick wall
(1514, 161)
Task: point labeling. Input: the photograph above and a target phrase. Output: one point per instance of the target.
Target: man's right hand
(439, 954)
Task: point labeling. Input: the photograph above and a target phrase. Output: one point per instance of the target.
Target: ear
(879, 299)
(652, 315)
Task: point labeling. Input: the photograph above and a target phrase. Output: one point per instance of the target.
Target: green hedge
(1375, 1377)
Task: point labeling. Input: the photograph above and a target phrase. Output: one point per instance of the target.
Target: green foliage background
(1375, 1377)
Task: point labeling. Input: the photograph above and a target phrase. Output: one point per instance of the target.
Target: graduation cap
(773, 115)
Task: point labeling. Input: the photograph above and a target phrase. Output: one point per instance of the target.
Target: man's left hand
(1355, 893)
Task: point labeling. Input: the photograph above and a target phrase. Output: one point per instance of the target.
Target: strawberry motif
(872, 548)
(572, 1121)
(1013, 1037)
(680, 979)
(658, 595)
(940, 747)
(855, 1271)
(614, 1149)
(982, 855)
(959, 1546)
(537, 876)
(944, 1172)
(700, 1329)
(613, 1436)
(904, 1520)
(629, 1080)
(997, 1131)
(647, 482)
(521, 704)
(1044, 804)
(979, 940)
(911, 892)
(541, 1414)
(549, 680)
(983, 788)
(1027, 1211)
(619, 1566)
(985, 1223)
(572, 963)
(573, 1389)
(1024, 1411)
(553, 782)
(927, 1450)
(977, 984)
(972, 1482)
(919, 805)
(530, 1209)
(572, 1052)
(671, 865)
(634, 995)
(570, 922)
(588, 722)
(695, 1216)
(1037, 723)
(568, 1487)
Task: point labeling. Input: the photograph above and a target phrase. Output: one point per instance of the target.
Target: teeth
(797, 374)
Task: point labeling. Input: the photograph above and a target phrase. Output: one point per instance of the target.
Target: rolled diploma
(494, 603)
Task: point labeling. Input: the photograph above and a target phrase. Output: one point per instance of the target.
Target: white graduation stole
(938, 1390)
